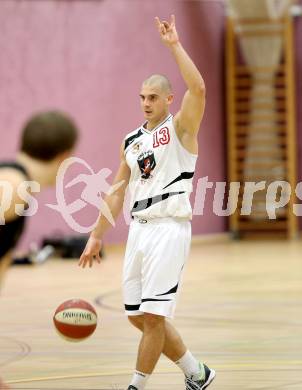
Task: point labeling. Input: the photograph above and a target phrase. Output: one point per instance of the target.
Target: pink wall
(89, 58)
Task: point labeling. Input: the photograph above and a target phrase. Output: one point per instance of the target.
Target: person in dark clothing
(47, 139)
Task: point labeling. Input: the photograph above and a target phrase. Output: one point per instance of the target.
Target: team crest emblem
(146, 163)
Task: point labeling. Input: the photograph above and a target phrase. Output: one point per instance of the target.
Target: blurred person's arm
(10, 181)
(5, 262)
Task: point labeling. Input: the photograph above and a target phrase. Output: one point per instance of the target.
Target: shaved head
(155, 98)
(160, 81)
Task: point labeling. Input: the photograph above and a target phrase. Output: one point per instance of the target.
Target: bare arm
(188, 119)
(10, 180)
(114, 202)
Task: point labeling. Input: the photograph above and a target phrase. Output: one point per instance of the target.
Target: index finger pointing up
(172, 19)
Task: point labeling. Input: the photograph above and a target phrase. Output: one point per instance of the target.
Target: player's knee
(137, 321)
(152, 321)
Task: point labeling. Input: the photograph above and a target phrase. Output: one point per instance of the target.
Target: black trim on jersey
(140, 205)
(132, 307)
(183, 175)
(155, 300)
(172, 290)
(131, 139)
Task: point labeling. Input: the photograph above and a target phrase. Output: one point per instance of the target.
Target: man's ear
(170, 98)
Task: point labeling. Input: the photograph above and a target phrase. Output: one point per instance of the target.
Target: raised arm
(188, 119)
(114, 202)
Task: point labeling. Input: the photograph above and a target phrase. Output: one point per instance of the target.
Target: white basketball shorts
(156, 252)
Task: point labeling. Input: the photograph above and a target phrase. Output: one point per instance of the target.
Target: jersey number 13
(161, 137)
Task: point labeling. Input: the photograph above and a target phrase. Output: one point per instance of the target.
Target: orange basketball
(75, 319)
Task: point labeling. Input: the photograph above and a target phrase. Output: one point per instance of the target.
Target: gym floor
(239, 311)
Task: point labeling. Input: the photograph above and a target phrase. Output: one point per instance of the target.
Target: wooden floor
(240, 311)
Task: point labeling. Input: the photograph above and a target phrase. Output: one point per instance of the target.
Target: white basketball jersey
(161, 172)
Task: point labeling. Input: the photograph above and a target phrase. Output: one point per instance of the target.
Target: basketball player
(47, 139)
(158, 161)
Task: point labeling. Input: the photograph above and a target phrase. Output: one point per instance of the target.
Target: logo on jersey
(136, 147)
(146, 163)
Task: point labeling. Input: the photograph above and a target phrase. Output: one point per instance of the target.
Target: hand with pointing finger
(167, 31)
